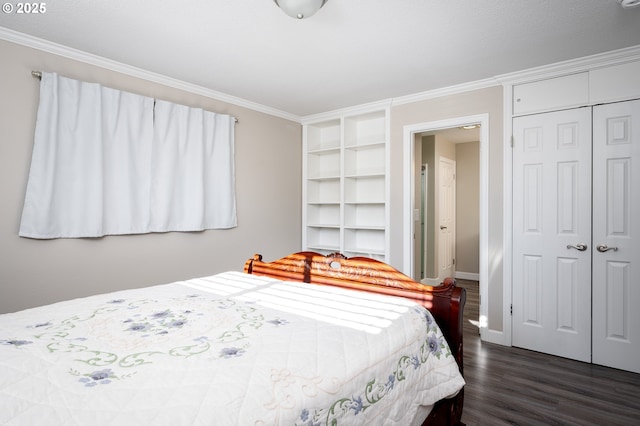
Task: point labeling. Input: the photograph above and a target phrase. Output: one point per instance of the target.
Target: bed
(304, 340)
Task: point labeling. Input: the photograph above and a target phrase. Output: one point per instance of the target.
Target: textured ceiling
(350, 53)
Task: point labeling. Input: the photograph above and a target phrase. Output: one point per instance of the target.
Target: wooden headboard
(445, 302)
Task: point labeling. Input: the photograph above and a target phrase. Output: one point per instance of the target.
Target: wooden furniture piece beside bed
(445, 302)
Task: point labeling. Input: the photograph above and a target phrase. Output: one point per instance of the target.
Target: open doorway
(417, 138)
(447, 236)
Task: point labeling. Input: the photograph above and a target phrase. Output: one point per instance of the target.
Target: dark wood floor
(511, 386)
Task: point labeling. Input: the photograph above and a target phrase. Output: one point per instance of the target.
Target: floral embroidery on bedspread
(231, 351)
(377, 389)
(141, 331)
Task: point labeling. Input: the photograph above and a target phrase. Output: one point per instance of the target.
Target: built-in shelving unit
(345, 180)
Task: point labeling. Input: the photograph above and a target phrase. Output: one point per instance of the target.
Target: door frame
(409, 136)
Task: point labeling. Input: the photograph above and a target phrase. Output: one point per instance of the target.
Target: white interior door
(616, 226)
(552, 233)
(447, 217)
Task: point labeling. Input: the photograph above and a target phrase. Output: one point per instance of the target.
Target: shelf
(367, 146)
(324, 178)
(323, 225)
(325, 151)
(366, 129)
(323, 215)
(364, 240)
(346, 168)
(365, 203)
(365, 189)
(323, 164)
(323, 191)
(366, 173)
(324, 250)
(324, 203)
(365, 161)
(364, 227)
(364, 215)
(325, 238)
(323, 136)
(371, 255)
(364, 252)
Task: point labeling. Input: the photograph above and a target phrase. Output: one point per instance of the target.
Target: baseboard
(472, 276)
(493, 336)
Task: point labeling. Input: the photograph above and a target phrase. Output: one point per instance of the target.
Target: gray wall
(482, 101)
(268, 167)
(468, 207)
(33, 272)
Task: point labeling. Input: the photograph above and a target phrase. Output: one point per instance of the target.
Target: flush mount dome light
(629, 3)
(300, 8)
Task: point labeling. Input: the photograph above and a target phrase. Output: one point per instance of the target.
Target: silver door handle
(579, 246)
(602, 248)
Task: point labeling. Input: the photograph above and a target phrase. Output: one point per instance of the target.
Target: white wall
(32, 272)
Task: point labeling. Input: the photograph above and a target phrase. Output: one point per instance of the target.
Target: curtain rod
(38, 75)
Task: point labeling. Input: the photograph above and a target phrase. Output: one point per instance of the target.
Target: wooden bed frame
(445, 302)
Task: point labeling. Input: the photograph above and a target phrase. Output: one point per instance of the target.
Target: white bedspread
(230, 349)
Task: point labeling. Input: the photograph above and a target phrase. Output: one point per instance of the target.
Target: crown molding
(446, 91)
(417, 97)
(573, 66)
(345, 112)
(547, 71)
(91, 59)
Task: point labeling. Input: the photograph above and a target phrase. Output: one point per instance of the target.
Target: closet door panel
(551, 233)
(616, 223)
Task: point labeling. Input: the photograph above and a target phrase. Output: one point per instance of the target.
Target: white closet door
(552, 233)
(616, 226)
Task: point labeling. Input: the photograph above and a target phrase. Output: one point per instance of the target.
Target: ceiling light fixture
(300, 8)
(627, 4)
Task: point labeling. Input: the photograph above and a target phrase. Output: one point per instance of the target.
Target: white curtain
(102, 165)
(193, 185)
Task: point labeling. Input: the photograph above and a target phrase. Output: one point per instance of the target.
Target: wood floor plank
(518, 387)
